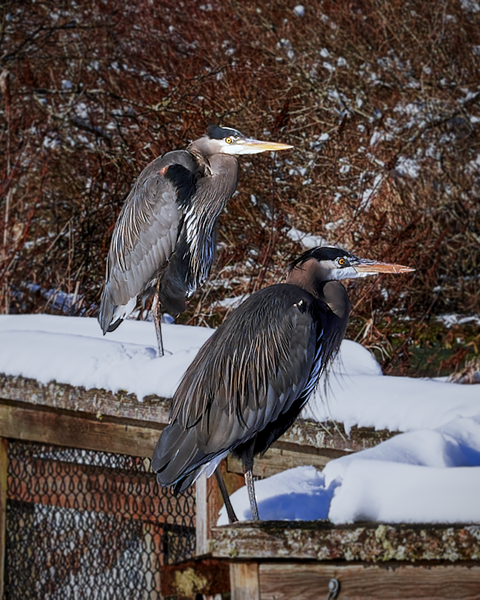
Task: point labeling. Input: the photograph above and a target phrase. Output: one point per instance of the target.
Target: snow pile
(358, 394)
(73, 350)
(420, 476)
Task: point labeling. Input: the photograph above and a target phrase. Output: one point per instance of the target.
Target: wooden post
(206, 506)
(244, 582)
(201, 515)
(3, 507)
(209, 501)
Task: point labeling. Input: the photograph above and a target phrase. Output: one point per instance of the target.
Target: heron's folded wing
(250, 371)
(147, 228)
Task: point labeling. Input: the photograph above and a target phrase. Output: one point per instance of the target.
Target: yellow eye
(228, 140)
(341, 261)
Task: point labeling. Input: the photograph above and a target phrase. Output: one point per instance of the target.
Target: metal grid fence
(85, 524)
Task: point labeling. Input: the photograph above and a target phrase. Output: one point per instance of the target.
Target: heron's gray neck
(212, 194)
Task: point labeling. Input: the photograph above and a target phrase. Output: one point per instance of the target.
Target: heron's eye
(342, 262)
(229, 140)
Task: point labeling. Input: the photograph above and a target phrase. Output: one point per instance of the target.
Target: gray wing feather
(248, 373)
(145, 234)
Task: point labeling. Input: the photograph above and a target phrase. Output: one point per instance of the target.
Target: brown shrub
(380, 99)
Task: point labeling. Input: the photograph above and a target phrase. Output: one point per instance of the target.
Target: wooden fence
(265, 560)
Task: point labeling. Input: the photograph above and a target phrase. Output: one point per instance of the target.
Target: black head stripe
(320, 253)
(215, 132)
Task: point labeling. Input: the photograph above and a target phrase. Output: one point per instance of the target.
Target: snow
(299, 10)
(229, 302)
(73, 350)
(429, 476)
(307, 240)
(470, 6)
(366, 399)
(408, 166)
(428, 473)
(450, 319)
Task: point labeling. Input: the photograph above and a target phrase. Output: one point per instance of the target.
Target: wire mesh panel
(85, 524)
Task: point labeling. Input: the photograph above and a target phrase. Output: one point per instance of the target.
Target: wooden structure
(280, 560)
(271, 560)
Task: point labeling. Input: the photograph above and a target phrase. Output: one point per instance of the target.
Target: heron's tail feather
(105, 314)
(114, 325)
(111, 315)
(177, 459)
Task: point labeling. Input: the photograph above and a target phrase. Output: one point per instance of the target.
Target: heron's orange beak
(371, 267)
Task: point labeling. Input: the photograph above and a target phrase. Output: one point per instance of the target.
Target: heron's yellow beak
(254, 146)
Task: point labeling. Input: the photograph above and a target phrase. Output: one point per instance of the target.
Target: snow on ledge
(73, 350)
(430, 473)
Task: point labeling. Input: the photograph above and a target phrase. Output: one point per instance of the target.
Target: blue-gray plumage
(163, 243)
(252, 378)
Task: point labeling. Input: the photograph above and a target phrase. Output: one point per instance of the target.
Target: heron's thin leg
(232, 517)
(251, 494)
(157, 319)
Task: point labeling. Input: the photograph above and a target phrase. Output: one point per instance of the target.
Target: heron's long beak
(371, 267)
(252, 146)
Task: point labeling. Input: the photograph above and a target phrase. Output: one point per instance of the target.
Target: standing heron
(163, 243)
(251, 379)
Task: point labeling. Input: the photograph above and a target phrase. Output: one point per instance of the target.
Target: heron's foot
(251, 495)
(165, 353)
(157, 319)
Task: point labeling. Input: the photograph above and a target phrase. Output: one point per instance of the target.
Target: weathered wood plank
(310, 581)
(321, 540)
(201, 515)
(333, 436)
(68, 428)
(78, 399)
(244, 581)
(3, 507)
(207, 577)
(153, 408)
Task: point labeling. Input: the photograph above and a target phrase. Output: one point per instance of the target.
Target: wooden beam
(154, 409)
(280, 581)
(322, 540)
(94, 401)
(330, 434)
(3, 508)
(244, 581)
(201, 515)
(48, 425)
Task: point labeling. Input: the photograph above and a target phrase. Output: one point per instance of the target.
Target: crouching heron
(163, 243)
(251, 379)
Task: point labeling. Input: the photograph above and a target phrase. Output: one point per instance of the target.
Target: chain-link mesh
(84, 524)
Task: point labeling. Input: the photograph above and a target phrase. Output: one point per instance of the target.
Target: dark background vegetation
(381, 100)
